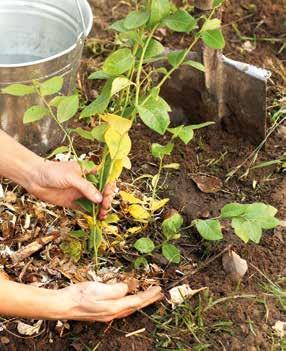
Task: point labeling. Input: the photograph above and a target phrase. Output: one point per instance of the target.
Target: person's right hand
(93, 301)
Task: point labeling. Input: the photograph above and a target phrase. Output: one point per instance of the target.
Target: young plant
(247, 221)
(129, 92)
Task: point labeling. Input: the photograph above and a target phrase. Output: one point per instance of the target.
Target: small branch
(35, 246)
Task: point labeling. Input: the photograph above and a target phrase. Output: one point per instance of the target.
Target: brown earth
(213, 152)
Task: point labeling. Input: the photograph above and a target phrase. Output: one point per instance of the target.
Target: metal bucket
(39, 39)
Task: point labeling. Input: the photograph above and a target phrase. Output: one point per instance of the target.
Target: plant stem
(141, 62)
(156, 184)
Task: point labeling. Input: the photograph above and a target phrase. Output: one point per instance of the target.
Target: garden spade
(230, 92)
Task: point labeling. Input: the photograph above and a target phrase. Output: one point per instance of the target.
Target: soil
(213, 152)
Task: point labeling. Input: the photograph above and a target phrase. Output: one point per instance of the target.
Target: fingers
(101, 291)
(138, 301)
(86, 189)
(107, 310)
(108, 195)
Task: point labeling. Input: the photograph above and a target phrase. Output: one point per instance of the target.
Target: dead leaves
(180, 293)
(235, 265)
(207, 183)
(29, 330)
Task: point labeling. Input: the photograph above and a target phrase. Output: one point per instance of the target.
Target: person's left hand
(61, 183)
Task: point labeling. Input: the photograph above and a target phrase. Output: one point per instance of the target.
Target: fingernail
(97, 198)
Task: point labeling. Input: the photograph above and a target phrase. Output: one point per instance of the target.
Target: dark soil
(213, 152)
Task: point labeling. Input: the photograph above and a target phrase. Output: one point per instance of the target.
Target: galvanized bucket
(39, 39)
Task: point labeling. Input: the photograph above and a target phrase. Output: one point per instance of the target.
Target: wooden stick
(35, 246)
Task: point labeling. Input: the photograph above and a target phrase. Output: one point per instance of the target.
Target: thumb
(86, 188)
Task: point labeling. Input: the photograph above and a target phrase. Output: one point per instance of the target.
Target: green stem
(156, 184)
(141, 62)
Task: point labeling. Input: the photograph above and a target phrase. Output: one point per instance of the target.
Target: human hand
(93, 301)
(61, 183)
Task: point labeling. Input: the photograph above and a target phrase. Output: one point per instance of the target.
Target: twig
(35, 246)
(139, 331)
(172, 285)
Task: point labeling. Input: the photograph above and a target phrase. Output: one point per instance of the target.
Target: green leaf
(172, 225)
(196, 65)
(59, 150)
(186, 134)
(154, 113)
(140, 261)
(136, 19)
(217, 3)
(87, 166)
(175, 57)
(19, 90)
(86, 134)
(118, 26)
(159, 151)
(95, 237)
(171, 253)
(181, 21)
(246, 230)
(214, 39)
(262, 214)
(94, 179)
(78, 234)
(99, 75)
(85, 204)
(201, 125)
(51, 86)
(100, 104)
(155, 48)
(56, 101)
(35, 113)
(119, 62)
(211, 24)
(144, 245)
(232, 210)
(72, 248)
(209, 229)
(67, 108)
(159, 10)
(99, 131)
(267, 164)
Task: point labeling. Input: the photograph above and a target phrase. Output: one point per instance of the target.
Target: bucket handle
(85, 30)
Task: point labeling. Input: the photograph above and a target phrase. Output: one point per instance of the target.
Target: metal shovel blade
(229, 92)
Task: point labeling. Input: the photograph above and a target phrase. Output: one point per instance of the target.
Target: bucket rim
(85, 33)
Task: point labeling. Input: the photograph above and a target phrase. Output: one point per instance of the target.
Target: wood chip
(30, 249)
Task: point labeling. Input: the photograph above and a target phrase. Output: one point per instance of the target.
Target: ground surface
(243, 323)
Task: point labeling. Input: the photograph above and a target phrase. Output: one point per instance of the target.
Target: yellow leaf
(119, 145)
(120, 124)
(111, 218)
(119, 84)
(110, 230)
(116, 171)
(138, 212)
(134, 230)
(127, 163)
(131, 199)
(89, 220)
(157, 204)
(155, 180)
